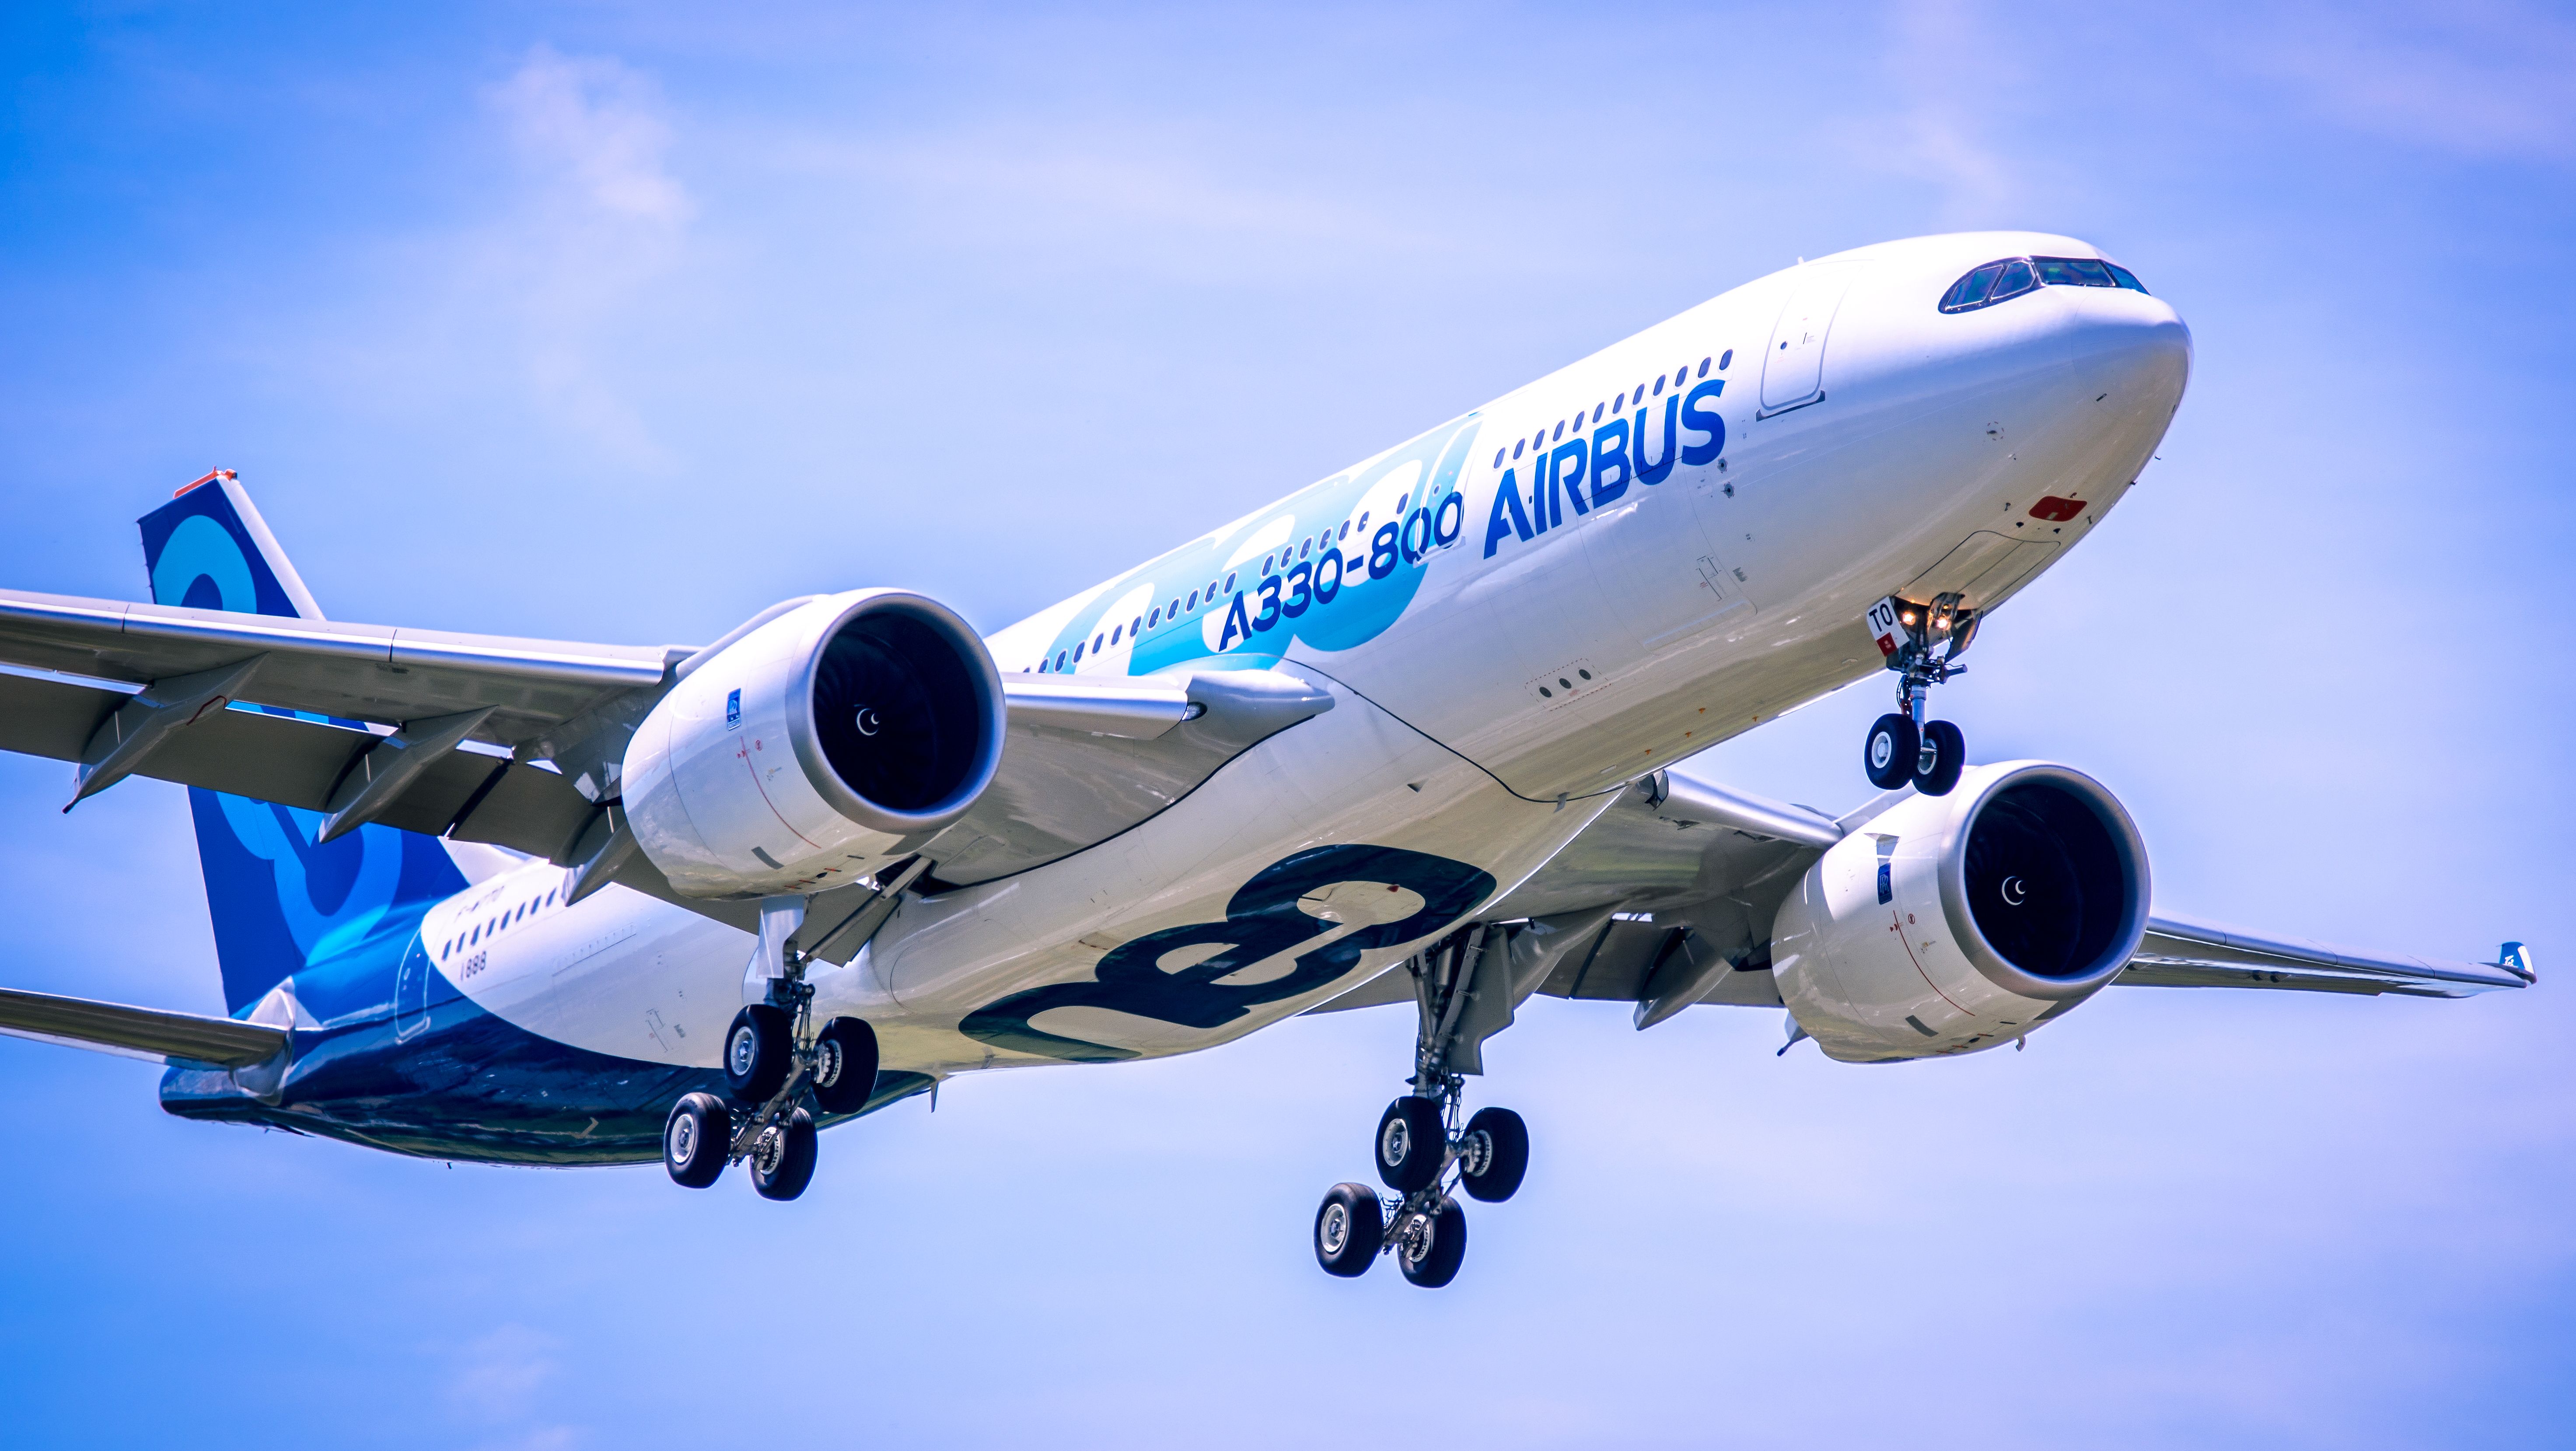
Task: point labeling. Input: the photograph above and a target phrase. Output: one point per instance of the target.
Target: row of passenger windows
(1544, 437)
(1117, 634)
(2013, 276)
(492, 928)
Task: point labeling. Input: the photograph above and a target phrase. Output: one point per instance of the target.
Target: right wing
(1690, 874)
(2183, 953)
(147, 1033)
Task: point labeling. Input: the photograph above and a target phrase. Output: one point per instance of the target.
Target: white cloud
(1948, 79)
(595, 221)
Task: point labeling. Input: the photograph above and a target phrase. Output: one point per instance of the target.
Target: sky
(618, 322)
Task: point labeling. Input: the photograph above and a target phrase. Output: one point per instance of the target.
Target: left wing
(516, 742)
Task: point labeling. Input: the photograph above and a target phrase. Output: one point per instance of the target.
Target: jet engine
(1950, 924)
(817, 747)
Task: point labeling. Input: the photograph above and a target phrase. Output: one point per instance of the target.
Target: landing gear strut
(1461, 988)
(774, 1058)
(1920, 642)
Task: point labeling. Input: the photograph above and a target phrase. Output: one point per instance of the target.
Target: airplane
(1408, 736)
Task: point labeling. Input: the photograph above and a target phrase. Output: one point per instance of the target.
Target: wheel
(757, 1053)
(1497, 1150)
(697, 1139)
(1348, 1230)
(782, 1158)
(845, 1065)
(1943, 756)
(1434, 1245)
(1411, 1143)
(1890, 754)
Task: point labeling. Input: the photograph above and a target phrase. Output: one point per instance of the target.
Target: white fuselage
(1871, 444)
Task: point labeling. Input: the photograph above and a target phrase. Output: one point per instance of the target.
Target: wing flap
(138, 1032)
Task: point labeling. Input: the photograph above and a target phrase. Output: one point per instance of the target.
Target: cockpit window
(2013, 276)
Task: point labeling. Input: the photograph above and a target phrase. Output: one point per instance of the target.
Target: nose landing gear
(1920, 642)
(1463, 992)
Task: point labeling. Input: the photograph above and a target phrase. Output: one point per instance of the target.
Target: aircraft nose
(2132, 349)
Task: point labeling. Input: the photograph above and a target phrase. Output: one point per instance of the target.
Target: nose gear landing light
(1919, 642)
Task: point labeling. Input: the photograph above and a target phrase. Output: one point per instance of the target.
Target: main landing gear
(1920, 642)
(1423, 1153)
(775, 1062)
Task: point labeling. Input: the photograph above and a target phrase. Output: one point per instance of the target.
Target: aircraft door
(411, 991)
(1793, 367)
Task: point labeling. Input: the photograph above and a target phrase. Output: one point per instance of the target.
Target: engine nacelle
(1949, 924)
(816, 748)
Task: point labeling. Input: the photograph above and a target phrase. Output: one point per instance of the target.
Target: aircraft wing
(1692, 872)
(2183, 953)
(147, 1033)
(512, 741)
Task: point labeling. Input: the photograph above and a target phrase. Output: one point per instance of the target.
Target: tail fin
(2516, 958)
(279, 902)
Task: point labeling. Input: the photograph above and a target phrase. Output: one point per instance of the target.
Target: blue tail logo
(279, 902)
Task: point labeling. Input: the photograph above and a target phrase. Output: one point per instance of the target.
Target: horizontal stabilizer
(137, 1032)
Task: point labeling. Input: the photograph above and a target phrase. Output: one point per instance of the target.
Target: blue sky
(618, 322)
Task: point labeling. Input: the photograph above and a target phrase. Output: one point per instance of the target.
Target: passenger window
(1498, 458)
(1560, 428)
(1659, 385)
(1725, 358)
(1077, 651)
(1681, 375)
(1116, 634)
(1229, 582)
(1194, 599)
(1136, 626)
(1517, 445)
(1617, 402)
(1154, 617)
(1346, 530)
(1641, 394)
(1703, 367)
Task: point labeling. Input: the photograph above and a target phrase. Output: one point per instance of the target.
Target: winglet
(2516, 959)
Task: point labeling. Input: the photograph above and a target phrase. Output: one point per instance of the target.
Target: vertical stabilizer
(279, 902)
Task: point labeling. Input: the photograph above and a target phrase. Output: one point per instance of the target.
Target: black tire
(1436, 1263)
(1349, 1227)
(1947, 751)
(1412, 1142)
(782, 1167)
(697, 1140)
(845, 1068)
(1890, 751)
(758, 1051)
(1497, 1145)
